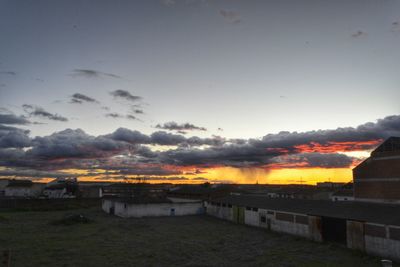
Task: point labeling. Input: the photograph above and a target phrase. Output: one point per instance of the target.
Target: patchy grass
(166, 241)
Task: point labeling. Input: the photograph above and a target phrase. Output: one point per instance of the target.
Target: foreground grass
(168, 241)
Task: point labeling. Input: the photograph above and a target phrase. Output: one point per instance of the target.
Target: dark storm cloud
(88, 73)
(122, 94)
(230, 16)
(36, 111)
(173, 126)
(78, 98)
(13, 119)
(13, 73)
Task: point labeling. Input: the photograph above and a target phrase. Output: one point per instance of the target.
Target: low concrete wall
(221, 212)
(286, 223)
(380, 241)
(153, 209)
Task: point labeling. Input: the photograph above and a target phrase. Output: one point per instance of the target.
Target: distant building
(61, 188)
(330, 185)
(300, 192)
(201, 192)
(129, 190)
(345, 193)
(377, 179)
(151, 206)
(23, 189)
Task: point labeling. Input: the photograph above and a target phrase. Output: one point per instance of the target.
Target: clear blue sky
(248, 67)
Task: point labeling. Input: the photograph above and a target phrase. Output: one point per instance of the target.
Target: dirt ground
(36, 240)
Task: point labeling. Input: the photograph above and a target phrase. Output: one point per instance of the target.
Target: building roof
(388, 147)
(140, 200)
(359, 211)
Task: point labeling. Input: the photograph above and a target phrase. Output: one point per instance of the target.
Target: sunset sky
(189, 91)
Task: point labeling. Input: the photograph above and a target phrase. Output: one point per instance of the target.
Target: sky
(188, 91)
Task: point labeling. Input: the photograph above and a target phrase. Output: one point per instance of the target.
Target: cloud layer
(128, 151)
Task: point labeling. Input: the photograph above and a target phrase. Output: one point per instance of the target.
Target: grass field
(35, 240)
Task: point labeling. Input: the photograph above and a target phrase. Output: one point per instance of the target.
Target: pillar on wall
(355, 235)
(315, 228)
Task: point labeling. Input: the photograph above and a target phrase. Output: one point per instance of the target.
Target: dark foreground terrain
(44, 238)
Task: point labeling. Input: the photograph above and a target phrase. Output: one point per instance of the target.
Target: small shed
(151, 207)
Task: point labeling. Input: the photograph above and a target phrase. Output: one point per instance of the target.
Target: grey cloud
(73, 143)
(173, 126)
(36, 111)
(13, 119)
(121, 116)
(126, 135)
(230, 16)
(13, 73)
(78, 98)
(88, 73)
(358, 34)
(11, 137)
(122, 94)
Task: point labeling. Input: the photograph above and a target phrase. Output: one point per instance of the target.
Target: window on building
(229, 206)
(248, 208)
(263, 219)
(223, 205)
(270, 212)
(255, 209)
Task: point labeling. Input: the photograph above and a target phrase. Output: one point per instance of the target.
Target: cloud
(78, 98)
(310, 160)
(168, 2)
(358, 34)
(12, 73)
(73, 143)
(130, 149)
(173, 126)
(230, 16)
(115, 115)
(122, 94)
(36, 111)
(137, 111)
(132, 137)
(88, 73)
(11, 137)
(13, 119)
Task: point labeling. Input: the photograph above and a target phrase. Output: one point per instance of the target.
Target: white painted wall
(290, 228)
(153, 209)
(225, 213)
(251, 217)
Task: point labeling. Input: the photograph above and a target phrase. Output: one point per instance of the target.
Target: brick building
(377, 179)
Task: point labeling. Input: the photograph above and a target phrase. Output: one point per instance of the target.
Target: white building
(23, 189)
(148, 207)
